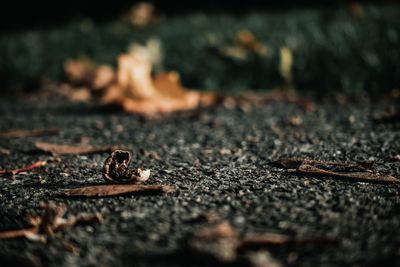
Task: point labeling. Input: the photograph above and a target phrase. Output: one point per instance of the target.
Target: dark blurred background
(344, 46)
(21, 14)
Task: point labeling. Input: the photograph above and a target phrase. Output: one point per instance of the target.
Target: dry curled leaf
(57, 149)
(49, 221)
(35, 165)
(116, 170)
(22, 133)
(116, 190)
(359, 171)
(137, 92)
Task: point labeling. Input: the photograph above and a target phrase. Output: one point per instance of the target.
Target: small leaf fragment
(116, 190)
(58, 149)
(22, 133)
(359, 171)
(35, 165)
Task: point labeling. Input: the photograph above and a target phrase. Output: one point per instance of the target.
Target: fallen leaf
(365, 176)
(294, 163)
(150, 52)
(359, 171)
(83, 72)
(264, 240)
(49, 221)
(222, 243)
(57, 149)
(116, 190)
(288, 96)
(35, 165)
(137, 92)
(142, 14)
(248, 41)
(76, 94)
(21, 133)
(4, 151)
(115, 169)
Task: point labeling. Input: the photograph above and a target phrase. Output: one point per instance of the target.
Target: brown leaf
(248, 41)
(365, 176)
(18, 233)
(80, 71)
(137, 92)
(264, 240)
(49, 221)
(115, 169)
(294, 163)
(222, 243)
(360, 171)
(57, 149)
(286, 96)
(116, 190)
(83, 72)
(35, 165)
(21, 133)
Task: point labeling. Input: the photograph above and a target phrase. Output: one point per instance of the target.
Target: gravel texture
(220, 161)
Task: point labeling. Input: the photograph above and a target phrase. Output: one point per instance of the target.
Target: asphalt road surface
(220, 161)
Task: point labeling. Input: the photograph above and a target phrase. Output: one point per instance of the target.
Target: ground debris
(116, 190)
(115, 169)
(142, 14)
(33, 166)
(359, 171)
(246, 43)
(50, 221)
(23, 133)
(218, 241)
(222, 243)
(58, 149)
(277, 95)
(261, 258)
(390, 115)
(132, 86)
(4, 151)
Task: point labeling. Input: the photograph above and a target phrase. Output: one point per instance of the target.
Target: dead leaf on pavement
(35, 165)
(221, 242)
(279, 95)
(22, 133)
(116, 190)
(50, 221)
(57, 149)
(137, 92)
(359, 171)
